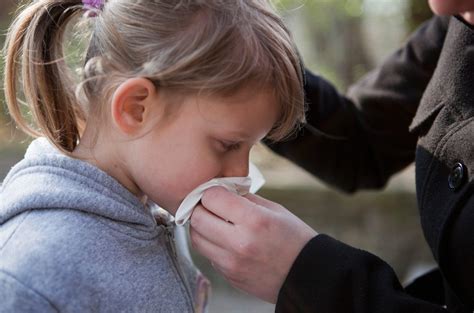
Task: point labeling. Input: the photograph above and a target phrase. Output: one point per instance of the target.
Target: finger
(263, 202)
(227, 205)
(220, 259)
(215, 254)
(212, 227)
(224, 272)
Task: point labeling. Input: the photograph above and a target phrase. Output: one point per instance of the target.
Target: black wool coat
(417, 106)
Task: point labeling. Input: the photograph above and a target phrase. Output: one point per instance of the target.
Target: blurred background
(341, 40)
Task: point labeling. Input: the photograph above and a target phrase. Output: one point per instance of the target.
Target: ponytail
(35, 68)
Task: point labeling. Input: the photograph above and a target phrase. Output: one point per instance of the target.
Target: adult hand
(252, 241)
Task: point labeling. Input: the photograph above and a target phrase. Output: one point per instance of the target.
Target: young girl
(173, 94)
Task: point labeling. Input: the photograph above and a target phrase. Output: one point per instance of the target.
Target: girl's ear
(132, 104)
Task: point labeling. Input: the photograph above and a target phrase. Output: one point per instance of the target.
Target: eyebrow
(243, 136)
(239, 135)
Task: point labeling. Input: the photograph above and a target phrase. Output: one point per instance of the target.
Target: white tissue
(238, 185)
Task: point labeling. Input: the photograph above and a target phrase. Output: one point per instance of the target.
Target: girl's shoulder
(76, 258)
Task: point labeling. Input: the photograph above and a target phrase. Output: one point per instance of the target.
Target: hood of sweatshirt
(47, 179)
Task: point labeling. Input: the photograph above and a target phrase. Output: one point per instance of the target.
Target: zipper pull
(171, 241)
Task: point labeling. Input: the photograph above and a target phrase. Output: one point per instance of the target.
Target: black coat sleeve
(371, 122)
(331, 277)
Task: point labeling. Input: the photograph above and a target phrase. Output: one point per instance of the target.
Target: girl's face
(449, 7)
(207, 137)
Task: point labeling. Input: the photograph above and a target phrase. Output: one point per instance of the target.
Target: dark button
(456, 177)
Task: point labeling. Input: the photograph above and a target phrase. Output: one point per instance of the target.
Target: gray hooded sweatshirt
(73, 239)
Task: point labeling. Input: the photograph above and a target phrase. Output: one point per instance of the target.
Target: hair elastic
(94, 4)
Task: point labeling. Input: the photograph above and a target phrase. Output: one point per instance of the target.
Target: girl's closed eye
(229, 145)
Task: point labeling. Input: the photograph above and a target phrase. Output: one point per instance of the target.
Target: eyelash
(230, 147)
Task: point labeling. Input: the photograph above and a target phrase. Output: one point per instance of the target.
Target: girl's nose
(237, 167)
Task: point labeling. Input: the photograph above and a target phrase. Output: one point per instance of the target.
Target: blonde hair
(191, 45)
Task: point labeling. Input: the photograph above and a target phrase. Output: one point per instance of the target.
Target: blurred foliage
(331, 29)
(6, 9)
(418, 12)
(339, 40)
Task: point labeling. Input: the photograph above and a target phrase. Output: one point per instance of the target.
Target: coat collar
(452, 83)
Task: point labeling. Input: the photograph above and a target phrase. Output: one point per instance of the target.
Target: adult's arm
(256, 251)
(270, 253)
(372, 120)
(330, 276)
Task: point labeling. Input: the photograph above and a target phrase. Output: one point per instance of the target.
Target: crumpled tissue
(238, 185)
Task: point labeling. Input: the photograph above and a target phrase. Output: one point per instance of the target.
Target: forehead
(247, 114)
